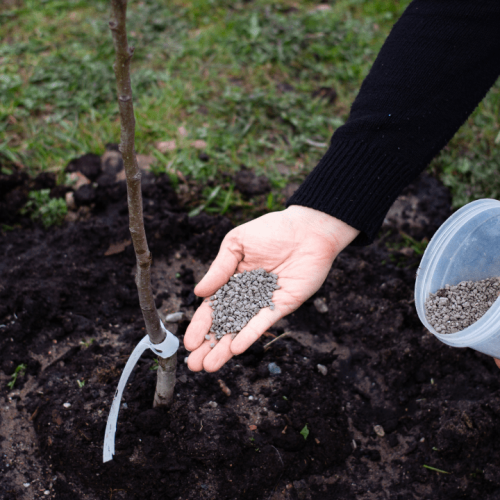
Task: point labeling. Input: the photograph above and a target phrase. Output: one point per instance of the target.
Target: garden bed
(394, 409)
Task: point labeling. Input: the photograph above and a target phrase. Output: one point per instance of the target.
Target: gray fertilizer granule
(454, 308)
(240, 299)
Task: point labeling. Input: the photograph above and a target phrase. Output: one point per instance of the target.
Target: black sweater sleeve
(437, 64)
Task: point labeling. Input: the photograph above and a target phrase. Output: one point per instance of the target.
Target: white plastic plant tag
(166, 349)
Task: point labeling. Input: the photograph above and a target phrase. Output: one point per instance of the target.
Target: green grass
(469, 165)
(242, 76)
(49, 211)
(18, 372)
(435, 470)
(406, 241)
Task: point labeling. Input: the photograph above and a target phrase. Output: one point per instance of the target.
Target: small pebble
(379, 430)
(224, 387)
(322, 369)
(207, 337)
(46, 492)
(320, 305)
(67, 405)
(175, 317)
(212, 404)
(26, 485)
(274, 369)
(212, 345)
(186, 359)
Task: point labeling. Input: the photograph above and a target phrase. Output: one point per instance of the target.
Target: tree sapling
(162, 342)
(166, 367)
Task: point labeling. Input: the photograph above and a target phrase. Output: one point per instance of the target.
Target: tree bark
(166, 371)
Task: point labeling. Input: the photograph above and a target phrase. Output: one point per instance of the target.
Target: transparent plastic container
(465, 248)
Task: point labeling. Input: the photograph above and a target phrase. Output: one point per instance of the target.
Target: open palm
(298, 244)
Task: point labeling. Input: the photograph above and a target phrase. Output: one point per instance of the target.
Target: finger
(222, 268)
(220, 354)
(254, 329)
(497, 361)
(198, 327)
(195, 360)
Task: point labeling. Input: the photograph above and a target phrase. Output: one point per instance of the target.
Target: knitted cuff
(357, 184)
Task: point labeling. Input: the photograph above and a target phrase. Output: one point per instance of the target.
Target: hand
(497, 361)
(298, 244)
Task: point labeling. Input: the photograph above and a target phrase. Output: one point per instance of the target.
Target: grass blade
(436, 470)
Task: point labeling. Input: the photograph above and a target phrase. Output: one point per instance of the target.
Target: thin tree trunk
(166, 370)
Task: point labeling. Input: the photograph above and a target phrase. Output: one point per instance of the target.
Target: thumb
(222, 268)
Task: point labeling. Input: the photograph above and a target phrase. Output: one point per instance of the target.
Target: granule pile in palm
(237, 302)
(454, 308)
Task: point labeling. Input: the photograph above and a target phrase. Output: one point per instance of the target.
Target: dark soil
(439, 406)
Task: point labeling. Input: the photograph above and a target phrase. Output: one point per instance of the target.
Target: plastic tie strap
(166, 349)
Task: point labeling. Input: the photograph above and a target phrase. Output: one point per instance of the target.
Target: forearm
(435, 67)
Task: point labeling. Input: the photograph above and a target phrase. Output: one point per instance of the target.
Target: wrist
(339, 233)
